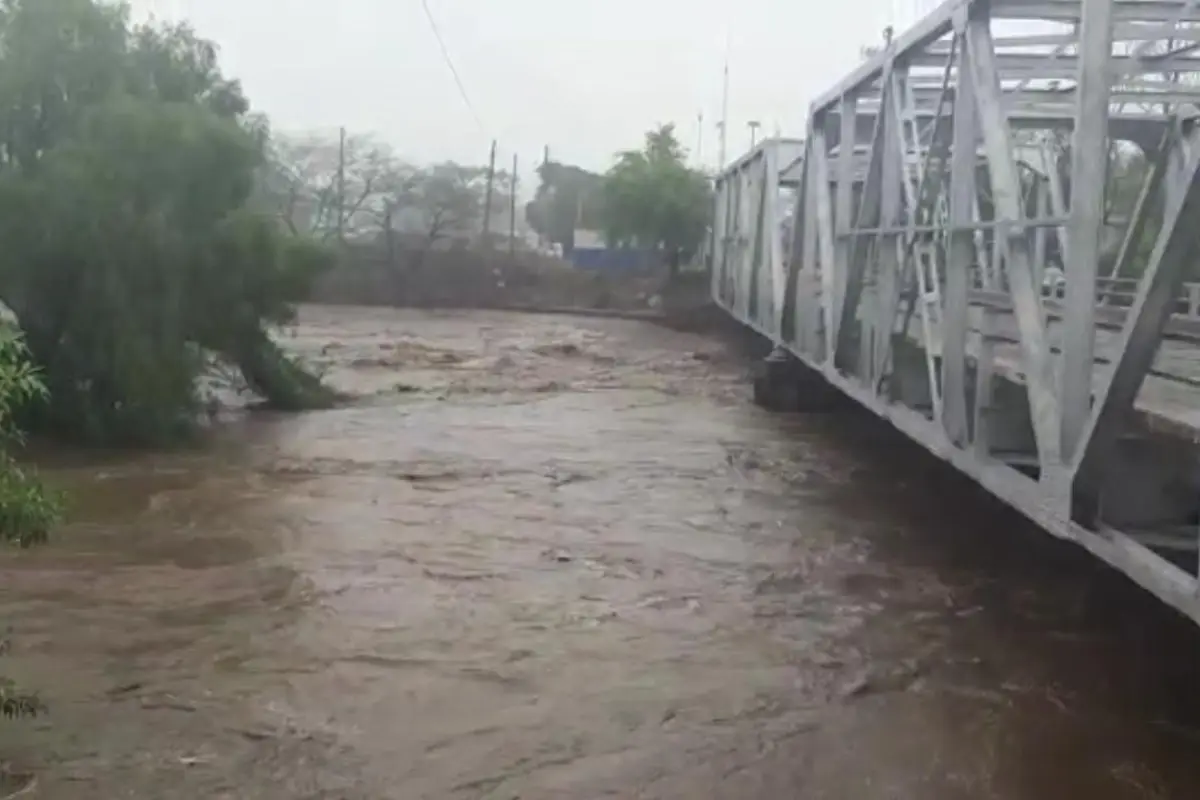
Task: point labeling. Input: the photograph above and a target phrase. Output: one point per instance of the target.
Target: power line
(462, 90)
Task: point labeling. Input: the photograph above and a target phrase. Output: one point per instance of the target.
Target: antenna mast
(724, 124)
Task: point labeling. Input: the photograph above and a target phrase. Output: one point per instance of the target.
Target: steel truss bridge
(899, 253)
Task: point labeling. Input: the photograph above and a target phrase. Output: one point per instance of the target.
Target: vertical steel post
(961, 257)
(1089, 151)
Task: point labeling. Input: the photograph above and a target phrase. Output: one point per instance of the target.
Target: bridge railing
(1120, 293)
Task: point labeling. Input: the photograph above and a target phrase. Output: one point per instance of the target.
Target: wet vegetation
(130, 250)
(27, 509)
(132, 253)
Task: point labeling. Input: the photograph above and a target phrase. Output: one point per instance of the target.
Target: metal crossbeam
(939, 189)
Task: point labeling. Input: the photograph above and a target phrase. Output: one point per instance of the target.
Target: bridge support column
(784, 383)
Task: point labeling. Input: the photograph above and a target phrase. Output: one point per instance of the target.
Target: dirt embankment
(462, 278)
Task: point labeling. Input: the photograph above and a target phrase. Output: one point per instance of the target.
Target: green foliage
(20, 382)
(653, 199)
(273, 374)
(127, 162)
(27, 509)
(254, 275)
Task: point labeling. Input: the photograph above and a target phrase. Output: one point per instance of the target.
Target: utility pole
(487, 201)
(341, 186)
(700, 140)
(512, 212)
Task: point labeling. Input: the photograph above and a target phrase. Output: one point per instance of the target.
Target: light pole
(753, 125)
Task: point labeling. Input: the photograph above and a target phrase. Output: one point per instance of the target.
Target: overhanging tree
(128, 246)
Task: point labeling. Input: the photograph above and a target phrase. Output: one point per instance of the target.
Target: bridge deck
(1169, 399)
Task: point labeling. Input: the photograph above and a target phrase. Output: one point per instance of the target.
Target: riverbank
(469, 279)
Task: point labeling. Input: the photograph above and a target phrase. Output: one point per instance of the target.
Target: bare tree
(319, 187)
(442, 202)
(323, 187)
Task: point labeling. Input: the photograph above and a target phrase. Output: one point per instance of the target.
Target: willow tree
(127, 247)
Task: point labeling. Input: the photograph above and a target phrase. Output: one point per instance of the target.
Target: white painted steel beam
(937, 189)
(960, 260)
(1089, 148)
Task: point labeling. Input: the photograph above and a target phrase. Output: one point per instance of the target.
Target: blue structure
(611, 259)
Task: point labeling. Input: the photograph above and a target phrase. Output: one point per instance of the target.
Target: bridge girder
(954, 189)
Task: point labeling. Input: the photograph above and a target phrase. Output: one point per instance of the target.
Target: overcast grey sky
(585, 77)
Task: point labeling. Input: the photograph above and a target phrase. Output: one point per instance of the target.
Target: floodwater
(547, 557)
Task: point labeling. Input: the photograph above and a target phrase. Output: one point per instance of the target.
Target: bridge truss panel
(939, 191)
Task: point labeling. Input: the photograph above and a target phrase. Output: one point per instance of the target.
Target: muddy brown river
(548, 557)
